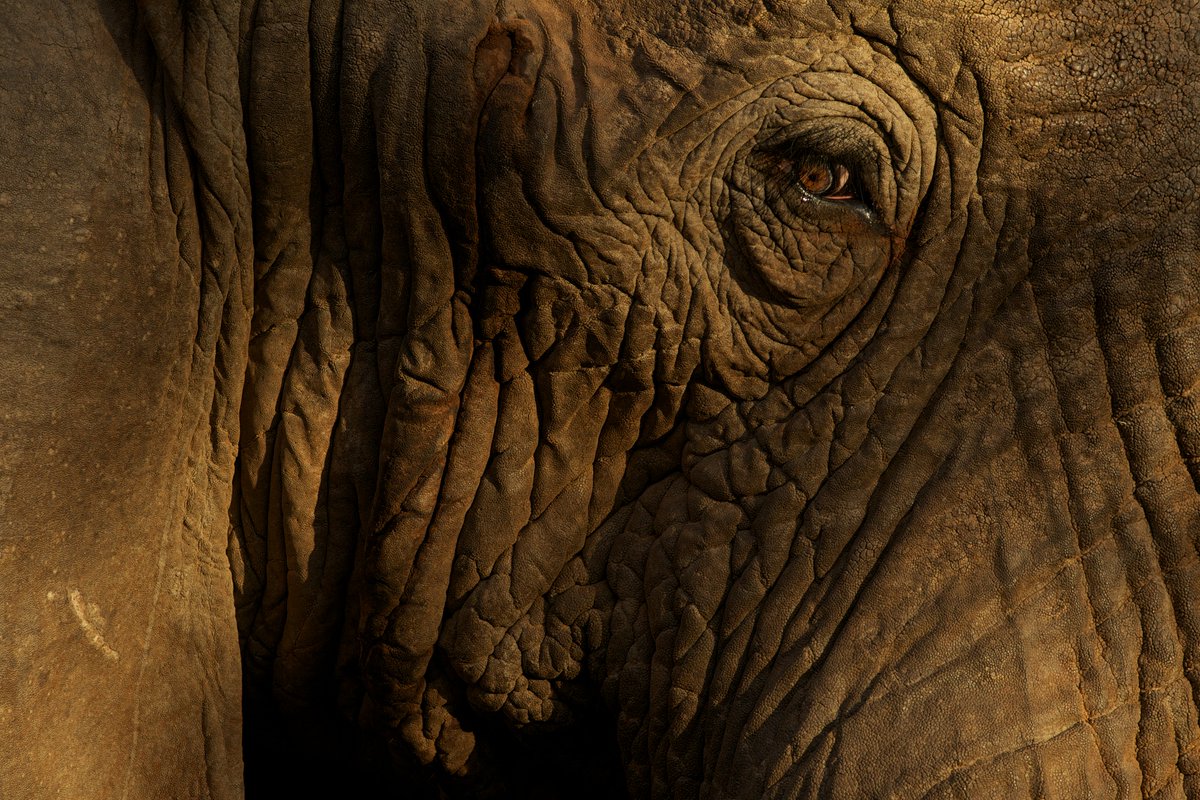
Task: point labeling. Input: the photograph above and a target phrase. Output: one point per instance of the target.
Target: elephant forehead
(1062, 51)
(1093, 53)
(1094, 91)
(1077, 90)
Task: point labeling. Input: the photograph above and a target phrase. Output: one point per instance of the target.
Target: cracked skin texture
(460, 400)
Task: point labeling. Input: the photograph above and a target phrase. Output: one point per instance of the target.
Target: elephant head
(726, 399)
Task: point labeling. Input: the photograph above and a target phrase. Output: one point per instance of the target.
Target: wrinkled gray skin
(473, 392)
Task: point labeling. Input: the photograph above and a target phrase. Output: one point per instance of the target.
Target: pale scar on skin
(91, 620)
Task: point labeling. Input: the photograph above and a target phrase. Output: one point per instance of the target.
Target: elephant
(544, 398)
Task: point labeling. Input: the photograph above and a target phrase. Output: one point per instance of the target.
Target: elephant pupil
(816, 178)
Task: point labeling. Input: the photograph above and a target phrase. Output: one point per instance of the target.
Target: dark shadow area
(281, 760)
(581, 762)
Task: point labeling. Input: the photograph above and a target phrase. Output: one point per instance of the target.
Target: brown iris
(824, 179)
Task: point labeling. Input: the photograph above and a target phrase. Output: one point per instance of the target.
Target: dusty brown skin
(473, 395)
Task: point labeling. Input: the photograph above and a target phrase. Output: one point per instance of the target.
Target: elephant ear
(441, 396)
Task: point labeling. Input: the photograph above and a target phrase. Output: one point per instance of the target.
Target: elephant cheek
(810, 271)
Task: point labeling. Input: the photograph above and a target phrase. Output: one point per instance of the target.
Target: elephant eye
(797, 171)
(817, 176)
(825, 179)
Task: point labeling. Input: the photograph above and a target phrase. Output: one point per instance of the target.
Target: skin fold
(442, 399)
